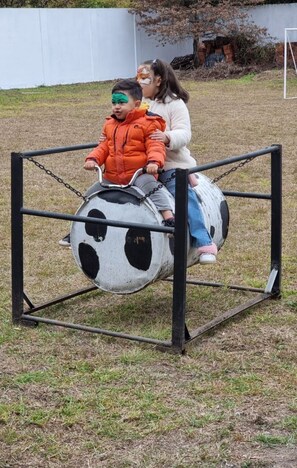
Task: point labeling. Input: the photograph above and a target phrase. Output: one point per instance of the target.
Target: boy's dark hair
(170, 85)
(132, 87)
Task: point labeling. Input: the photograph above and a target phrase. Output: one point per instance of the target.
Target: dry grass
(77, 400)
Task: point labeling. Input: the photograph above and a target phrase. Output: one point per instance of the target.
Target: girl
(168, 99)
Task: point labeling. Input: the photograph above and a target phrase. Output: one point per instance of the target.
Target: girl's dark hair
(170, 85)
(132, 87)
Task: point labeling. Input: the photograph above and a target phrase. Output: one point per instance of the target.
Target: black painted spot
(97, 231)
(119, 196)
(138, 248)
(225, 218)
(212, 231)
(89, 260)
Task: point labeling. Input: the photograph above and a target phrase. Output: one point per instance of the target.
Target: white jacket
(178, 129)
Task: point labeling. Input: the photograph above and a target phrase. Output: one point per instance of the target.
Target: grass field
(73, 399)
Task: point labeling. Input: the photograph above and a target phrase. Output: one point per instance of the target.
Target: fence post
(17, 250)
(276, 215)
(180, 260)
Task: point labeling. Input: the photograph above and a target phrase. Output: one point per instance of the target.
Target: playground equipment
(126, 260)
(180, 336)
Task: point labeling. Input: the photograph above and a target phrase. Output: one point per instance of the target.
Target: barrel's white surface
(125, 260)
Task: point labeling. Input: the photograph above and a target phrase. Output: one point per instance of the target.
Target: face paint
(143, 75)
(119, 98)
(144, 105)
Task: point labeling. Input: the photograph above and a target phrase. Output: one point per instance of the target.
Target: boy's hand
(152, 168)
(90, 165)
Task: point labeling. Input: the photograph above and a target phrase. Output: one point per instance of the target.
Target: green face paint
(119, 98)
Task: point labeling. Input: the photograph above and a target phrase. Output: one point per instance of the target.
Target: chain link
(58, 179)
(233, 169)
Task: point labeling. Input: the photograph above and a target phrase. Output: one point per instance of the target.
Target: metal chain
(159, 186)
(58, 179)
(154, 190)
(79, 194)
(216, 179)
(233, 169)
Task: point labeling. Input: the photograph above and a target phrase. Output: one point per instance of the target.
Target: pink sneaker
(207, 254)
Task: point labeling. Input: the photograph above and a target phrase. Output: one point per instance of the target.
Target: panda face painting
(124, 260)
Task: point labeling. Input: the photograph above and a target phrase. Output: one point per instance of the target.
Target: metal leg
(276, 216)
(17, 266)
(180, 261)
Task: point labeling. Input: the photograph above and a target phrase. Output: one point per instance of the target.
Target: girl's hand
(152, 168)
(90, 165)
(160, 136)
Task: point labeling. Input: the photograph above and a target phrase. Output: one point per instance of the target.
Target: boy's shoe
(207, 254)
(65, 242)
(170, 222)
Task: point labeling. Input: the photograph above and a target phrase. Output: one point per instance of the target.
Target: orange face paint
(143, 75)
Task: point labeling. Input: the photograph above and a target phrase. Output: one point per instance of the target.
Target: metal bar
(96, 330)
(17, 248)
(264, 196)
(87, 219)
(59, 299)
(219, 285)
(276, 215)
(228, 315)
(180, 260)
(224, 162)
(61, 149)
(271, 280)
(28, 302)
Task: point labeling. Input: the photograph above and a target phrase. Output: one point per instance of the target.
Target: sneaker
(65, 242)
(207, 254)
(207, 259)
(170, 222)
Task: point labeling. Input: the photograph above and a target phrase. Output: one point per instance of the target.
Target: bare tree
(37, 3)
(64, 3)
(174, 20)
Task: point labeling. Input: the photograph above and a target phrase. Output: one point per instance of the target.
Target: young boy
(128, 146)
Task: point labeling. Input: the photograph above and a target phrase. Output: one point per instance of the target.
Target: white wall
(40, 46)
(21, 53)
(276, 18)
(59, 46)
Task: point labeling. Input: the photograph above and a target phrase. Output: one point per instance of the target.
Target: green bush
(248, 51)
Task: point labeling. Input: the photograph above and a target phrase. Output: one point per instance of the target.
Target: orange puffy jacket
(128, 145)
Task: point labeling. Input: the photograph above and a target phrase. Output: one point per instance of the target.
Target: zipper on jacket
(114, 138)
(126, 138)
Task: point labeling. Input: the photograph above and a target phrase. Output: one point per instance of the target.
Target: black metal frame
(180, 334)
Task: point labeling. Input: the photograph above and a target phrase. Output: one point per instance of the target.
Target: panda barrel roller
(126, 260)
